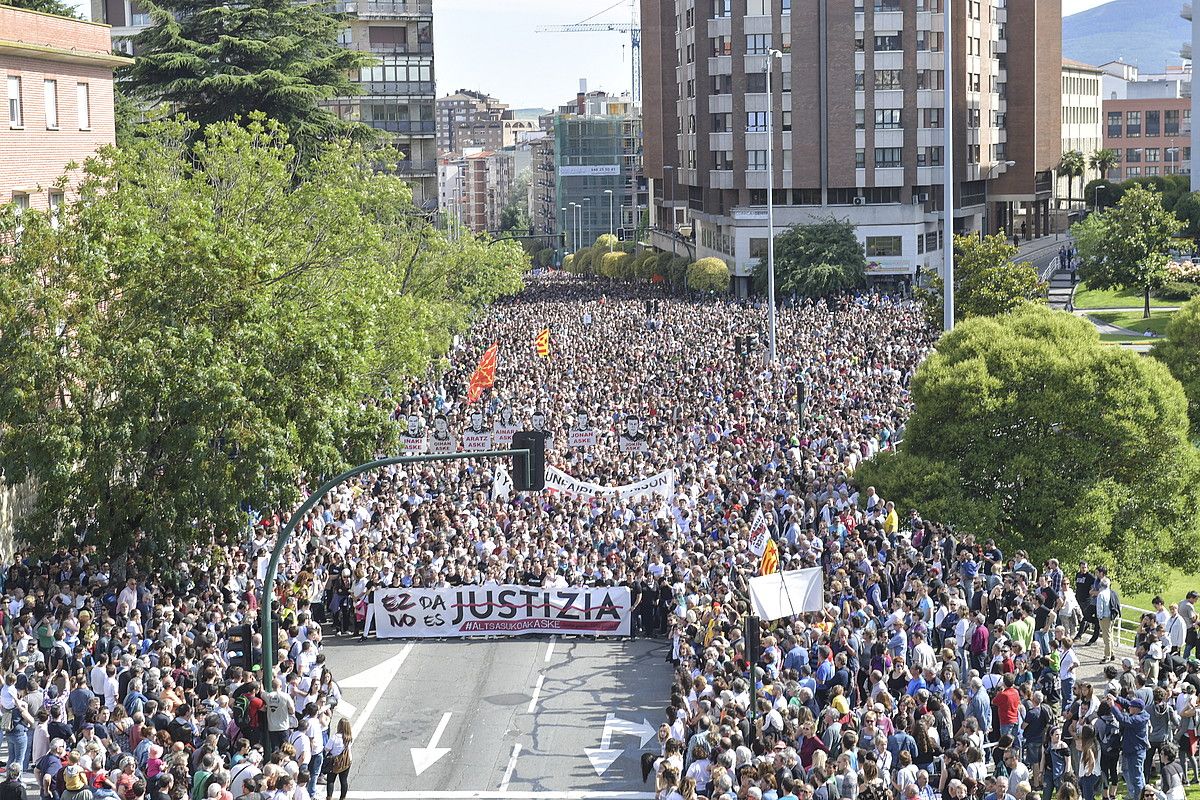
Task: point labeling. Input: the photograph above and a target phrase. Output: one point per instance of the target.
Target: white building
(1082, 115)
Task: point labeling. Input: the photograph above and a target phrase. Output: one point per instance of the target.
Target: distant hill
(1147, 33)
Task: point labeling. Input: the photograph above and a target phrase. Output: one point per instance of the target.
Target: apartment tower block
(857, 106)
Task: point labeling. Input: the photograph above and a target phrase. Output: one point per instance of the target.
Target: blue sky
(491, 46)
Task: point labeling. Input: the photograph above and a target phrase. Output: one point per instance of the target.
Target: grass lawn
(1132, 320)
(1120, 338)
(1175, 585)
(1114, 298)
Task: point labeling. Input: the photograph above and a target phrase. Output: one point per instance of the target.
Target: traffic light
(753, 641)
(534, 463)
(739, 345)
(239, 647)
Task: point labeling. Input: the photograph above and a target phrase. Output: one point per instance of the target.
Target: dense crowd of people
(939, 666)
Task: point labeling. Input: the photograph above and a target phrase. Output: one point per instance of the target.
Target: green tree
(1187, 208)
(1128, 245)
(987, 280)
(1103, 161)
(515, 215)
(45, 7)
(1180, 351)
(815, 260)
(216, 61)
(708, 275)
(1026, 427)
(201, 326)
(1071, 167)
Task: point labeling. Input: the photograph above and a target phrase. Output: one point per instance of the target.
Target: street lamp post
(574, 229)
(771, 56)
(609, 192)
(563, 228)
(1096, 198)
(671, 204)
(948, 167)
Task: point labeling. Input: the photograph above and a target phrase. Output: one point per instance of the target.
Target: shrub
(1177, 290)
(708, 275)
(605, 240)
(610, 264)
(569, 263)
(646, 265)
(585, 259)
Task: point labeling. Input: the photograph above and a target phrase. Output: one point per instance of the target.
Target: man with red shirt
(1008, 708)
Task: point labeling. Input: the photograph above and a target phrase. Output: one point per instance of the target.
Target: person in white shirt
(1176, 629)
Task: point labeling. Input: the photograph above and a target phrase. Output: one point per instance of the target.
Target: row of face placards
(479, 436)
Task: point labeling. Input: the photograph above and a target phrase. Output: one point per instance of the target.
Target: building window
(785, 6)
(859, 80)
(889, 157)
(1171, 123)
(50, 88)
(55, 201)
(887, 5)
(1133, 155)
(1152, 126)
(1171, 154)
(85, 112)
(722, 8)
(722, 123)
(887, 118)
(757, 44)
(860, 119)
(888, 79)
(888, 43)
(756, 83)
(930, 79)
(860, 158)
(14, 101)
(931, 117)
(756, 160)
(787, 121)
(758, 8)
(1114, 124)
(1133, 172)
(756, 121)
(884, 246)
(1152, 154)
(1133, 124)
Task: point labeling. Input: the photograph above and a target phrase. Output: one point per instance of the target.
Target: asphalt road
(512, 718)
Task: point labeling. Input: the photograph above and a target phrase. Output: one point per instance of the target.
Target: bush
(585, 260)
(645, 266)
(569, 264)
(664, 264)
(677, 269)
(708, 275)
(604, 241)
(545, 257)
(1177, 290)
(610, 264)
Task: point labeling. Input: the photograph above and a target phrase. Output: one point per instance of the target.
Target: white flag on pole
(785, 594)
(502, 484)
(759, 534)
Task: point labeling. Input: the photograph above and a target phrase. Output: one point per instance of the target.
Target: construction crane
(633, 28)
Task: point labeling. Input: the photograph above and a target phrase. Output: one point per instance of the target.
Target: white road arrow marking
(424, 757)
(378, 678)
(602, 757)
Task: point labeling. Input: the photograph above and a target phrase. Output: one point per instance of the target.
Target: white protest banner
(784, 594)
(501, 610)
(581, 438)
(502, 435)
(442, 443)
(413, 445)
(660, 485)
(477, 441)
(759, 534)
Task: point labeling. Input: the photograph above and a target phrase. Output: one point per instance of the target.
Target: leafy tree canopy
(815, 260)
(1027, 428)
(216, 61)
(1180, 351)
(987, 281)
(1126, 245)
(708, 275)
(206, 323)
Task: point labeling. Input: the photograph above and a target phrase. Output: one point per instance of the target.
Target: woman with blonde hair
(338, 759)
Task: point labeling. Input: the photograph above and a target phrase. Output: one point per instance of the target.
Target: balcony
(384, 9)
(396, 48)
(409, 127)
(399, 88)
(409, 167)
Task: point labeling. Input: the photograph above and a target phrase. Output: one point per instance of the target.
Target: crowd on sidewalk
(939, 666)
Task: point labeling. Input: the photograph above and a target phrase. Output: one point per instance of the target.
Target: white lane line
(512, 765)
(550, 649)
(537, 690)
(494, 795)
(393, 666)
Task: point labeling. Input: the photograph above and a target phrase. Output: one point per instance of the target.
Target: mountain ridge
(1146, 33)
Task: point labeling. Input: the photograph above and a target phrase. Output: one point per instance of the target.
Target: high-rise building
(59, 85)
(474, 186)
(857, 106)
(544, 214)
(465, 106)
(1082, 121)
(397, 94)
(598, 174)
(1188, 49)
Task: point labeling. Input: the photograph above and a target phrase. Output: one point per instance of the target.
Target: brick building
(1150, 135)
(59, 86)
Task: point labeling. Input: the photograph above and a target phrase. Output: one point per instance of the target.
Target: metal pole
(610, 194)
(948, 168)
(771, 56)
(266, 612)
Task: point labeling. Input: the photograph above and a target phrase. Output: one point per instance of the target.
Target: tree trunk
(1146, 310)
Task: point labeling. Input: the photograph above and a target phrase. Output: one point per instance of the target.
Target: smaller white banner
(660, 485)
(413, 445)
(581, 438)
(785, 594)
(759, 534)
(575, 171)
(476, 441)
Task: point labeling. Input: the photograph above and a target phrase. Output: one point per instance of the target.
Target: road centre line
(537, 690)
(550, 649)
(512, 766)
